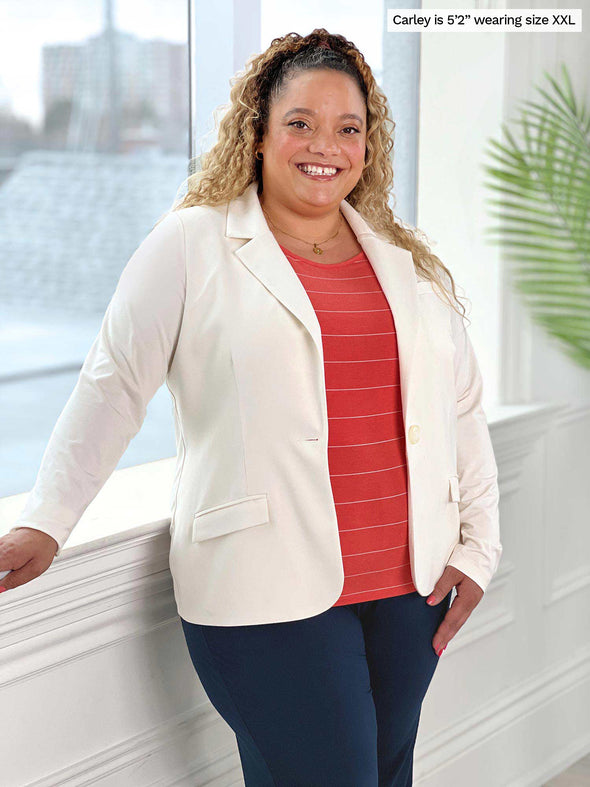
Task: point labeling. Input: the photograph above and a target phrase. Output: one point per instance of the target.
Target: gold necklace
(316, 246)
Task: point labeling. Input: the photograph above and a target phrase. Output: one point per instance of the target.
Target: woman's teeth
(321, 172)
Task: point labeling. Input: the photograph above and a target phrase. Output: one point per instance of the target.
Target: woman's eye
(345, 129)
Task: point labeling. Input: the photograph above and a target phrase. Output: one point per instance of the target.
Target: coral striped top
(366, 435)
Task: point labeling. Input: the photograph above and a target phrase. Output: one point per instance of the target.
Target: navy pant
(328, 701)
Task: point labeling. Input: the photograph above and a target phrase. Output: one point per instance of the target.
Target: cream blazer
(209, 304)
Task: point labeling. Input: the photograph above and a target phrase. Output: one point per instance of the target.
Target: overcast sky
(26, 25)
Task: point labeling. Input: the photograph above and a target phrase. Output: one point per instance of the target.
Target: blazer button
(414, 433)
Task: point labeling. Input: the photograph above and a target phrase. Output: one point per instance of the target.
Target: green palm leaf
(543, 208)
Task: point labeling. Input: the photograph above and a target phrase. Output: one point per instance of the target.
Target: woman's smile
(316, 173)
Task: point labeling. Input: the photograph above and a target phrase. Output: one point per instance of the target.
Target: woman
(280, 298)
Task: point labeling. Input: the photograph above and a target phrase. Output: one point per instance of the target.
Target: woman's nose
(324, 143)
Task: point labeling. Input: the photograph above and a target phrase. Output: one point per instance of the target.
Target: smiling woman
(313, 154)
(334, 464)
(310, 116)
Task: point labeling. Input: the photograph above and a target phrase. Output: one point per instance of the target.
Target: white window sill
(501, 415)
(136, 501)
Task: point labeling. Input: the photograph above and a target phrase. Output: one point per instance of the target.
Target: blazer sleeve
(125, 366)
(479, 550)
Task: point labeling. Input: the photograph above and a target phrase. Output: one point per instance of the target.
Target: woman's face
(320, 118)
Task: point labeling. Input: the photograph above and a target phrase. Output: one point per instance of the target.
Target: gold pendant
(317, 249)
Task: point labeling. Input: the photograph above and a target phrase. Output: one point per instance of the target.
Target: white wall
(461, 94)
(470, 84)
(536, 367)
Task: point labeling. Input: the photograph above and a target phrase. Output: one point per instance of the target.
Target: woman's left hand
(468, 596)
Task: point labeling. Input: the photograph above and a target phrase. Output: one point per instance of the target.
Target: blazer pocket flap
(454, 488)
(230, 517)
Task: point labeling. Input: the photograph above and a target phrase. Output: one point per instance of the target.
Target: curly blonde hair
(231, 165)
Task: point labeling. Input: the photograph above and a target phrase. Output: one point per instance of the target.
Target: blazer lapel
(393, 266)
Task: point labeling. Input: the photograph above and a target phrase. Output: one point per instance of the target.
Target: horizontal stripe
(369, 415)
(362, 292)
(372, 590)
(362, 360)
(375, 442)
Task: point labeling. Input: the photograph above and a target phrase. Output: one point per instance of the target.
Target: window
(94, 122)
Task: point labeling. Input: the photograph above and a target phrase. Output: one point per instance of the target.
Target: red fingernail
(2, 589)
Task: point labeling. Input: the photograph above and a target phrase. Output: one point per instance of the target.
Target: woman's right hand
(26, 553)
